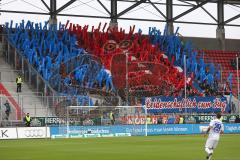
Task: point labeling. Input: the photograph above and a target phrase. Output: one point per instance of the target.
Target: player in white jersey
(215, 129)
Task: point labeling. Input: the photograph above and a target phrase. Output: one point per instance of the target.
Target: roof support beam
(131, 7)
(65, 6)
(45, 4)
(104, 7)
(24, 12)
(113, 15)
(169, 18)
(159, 11)
(53, 14)
(220, 32)
(232, 19)
(206, 11)
(190, 10)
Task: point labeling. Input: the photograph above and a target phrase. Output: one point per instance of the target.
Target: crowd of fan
(48, 48)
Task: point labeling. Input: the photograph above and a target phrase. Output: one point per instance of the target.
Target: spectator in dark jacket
(8, 109)
(237, 120)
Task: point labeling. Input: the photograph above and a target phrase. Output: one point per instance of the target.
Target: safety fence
(39, 105)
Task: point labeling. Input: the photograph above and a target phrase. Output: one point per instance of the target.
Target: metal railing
(8, 75)
(29, 74)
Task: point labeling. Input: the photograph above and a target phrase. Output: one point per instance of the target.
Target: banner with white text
(162, 104)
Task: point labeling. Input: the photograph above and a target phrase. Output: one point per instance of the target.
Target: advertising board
(8, 133)
(33, 132)
(154, 129)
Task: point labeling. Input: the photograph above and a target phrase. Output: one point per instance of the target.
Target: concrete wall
(213, 43)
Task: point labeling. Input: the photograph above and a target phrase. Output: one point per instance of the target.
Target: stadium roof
(111, 7)
(168, 11)
(214, 1)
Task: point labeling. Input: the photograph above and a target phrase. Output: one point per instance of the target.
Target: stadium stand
(227, 60)
(79, 63)
(147, 66)
(158, 51)
(51, 52)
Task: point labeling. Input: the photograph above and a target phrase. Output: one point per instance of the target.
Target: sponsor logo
(34, 133)
(203, 129)
(3, 133)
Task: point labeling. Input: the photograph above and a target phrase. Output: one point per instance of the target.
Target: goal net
(104, 121)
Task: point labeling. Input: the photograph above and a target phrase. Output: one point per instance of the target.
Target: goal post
(104, 121)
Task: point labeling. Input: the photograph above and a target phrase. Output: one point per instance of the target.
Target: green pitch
(119, 148)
